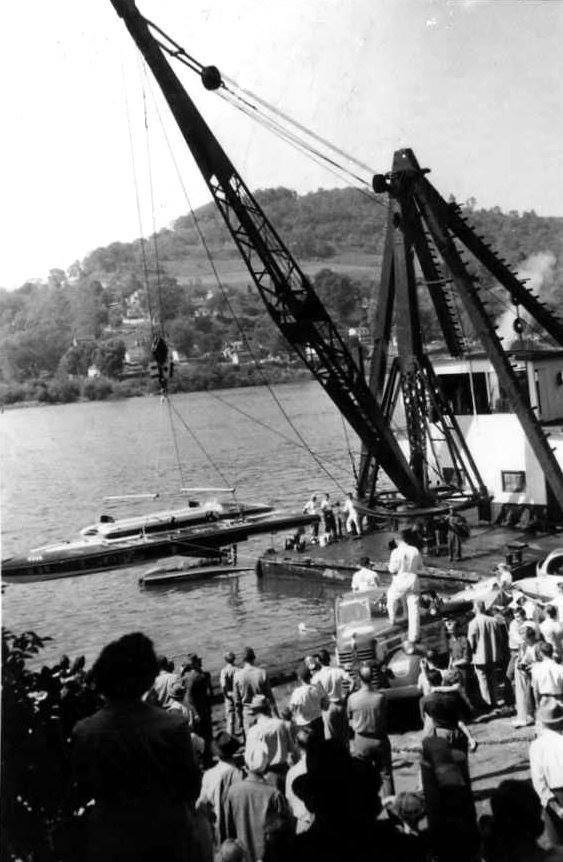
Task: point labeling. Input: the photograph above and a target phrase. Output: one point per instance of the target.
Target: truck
(364, 635)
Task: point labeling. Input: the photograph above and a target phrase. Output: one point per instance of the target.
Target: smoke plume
(539, 269)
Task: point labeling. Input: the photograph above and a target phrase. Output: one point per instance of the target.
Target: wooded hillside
(96, 313)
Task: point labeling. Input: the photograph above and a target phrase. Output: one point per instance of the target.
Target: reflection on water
(60, 462)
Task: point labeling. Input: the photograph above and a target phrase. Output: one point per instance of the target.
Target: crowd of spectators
(154, 777)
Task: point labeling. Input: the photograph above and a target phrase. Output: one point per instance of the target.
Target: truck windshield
(354, 611)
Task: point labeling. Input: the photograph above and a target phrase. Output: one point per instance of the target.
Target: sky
(475, 87)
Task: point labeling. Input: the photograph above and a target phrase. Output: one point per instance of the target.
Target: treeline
(186, 379)
(95, 316)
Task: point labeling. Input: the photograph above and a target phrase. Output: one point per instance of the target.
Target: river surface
(59, 462)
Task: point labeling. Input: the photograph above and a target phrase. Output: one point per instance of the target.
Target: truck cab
(364, 635)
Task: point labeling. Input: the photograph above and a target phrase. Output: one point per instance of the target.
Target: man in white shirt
(310, 508)
(547, 674)
(274, 732)
(405, 563)
(546, 767)
(365, 578)
(334, 684)
(557, 601)
(306, 703)
(552, 631)
(353, 518)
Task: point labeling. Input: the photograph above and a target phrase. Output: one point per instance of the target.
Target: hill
(93, 317)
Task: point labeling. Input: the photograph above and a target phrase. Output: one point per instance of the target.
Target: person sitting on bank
(364, 578)
(405, 563)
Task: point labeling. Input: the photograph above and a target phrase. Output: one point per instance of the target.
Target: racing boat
(125, 543)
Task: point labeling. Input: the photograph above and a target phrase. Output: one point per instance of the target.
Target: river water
(59, 462)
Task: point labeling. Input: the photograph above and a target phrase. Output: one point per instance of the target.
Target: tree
(109, 356)
(77, 359)
(35, 350)
(182, 335)
(340, 294)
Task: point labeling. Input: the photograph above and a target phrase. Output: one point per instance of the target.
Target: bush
(33, 760)
(97, 388)
(11, 393)
(129, 388)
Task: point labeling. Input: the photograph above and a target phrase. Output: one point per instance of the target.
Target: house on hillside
(93, 372)
(237, 353)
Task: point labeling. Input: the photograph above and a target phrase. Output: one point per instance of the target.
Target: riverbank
(188, 378)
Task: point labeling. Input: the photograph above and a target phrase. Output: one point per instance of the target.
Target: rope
(200, 445)
(265, 425)
(137, 198)
(151, 191)
(252, 105)
(244, 338)
(271, 124)
(174, 439)
(347, 439)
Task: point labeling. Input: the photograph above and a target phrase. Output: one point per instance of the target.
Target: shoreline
(288, 374)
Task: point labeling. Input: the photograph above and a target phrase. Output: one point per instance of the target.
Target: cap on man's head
(550, 713)
(256, 756)
(229, 656)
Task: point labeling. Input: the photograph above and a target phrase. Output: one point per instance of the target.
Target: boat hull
(88, 557)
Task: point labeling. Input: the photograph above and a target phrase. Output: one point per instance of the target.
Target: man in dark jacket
(197, 683)
(136, 761)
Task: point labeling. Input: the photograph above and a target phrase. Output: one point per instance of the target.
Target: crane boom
(284, 288)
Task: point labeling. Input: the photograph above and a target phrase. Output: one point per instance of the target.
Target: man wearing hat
(274, 733)
(226, 681)
(218, 780)
(253, 801)
(546, 766)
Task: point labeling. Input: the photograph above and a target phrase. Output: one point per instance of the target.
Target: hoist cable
(302, 128)
(151, 193)
(244, 338)
(275, 431)
(236, 94)
(329, 165)
(352, 462)
(201, 447)
(174, 439)
(137, 198)
(274, 126)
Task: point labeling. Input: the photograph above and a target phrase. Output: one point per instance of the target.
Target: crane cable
(258, 108)
(275, 431)
(159, 330)
(225, 296)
